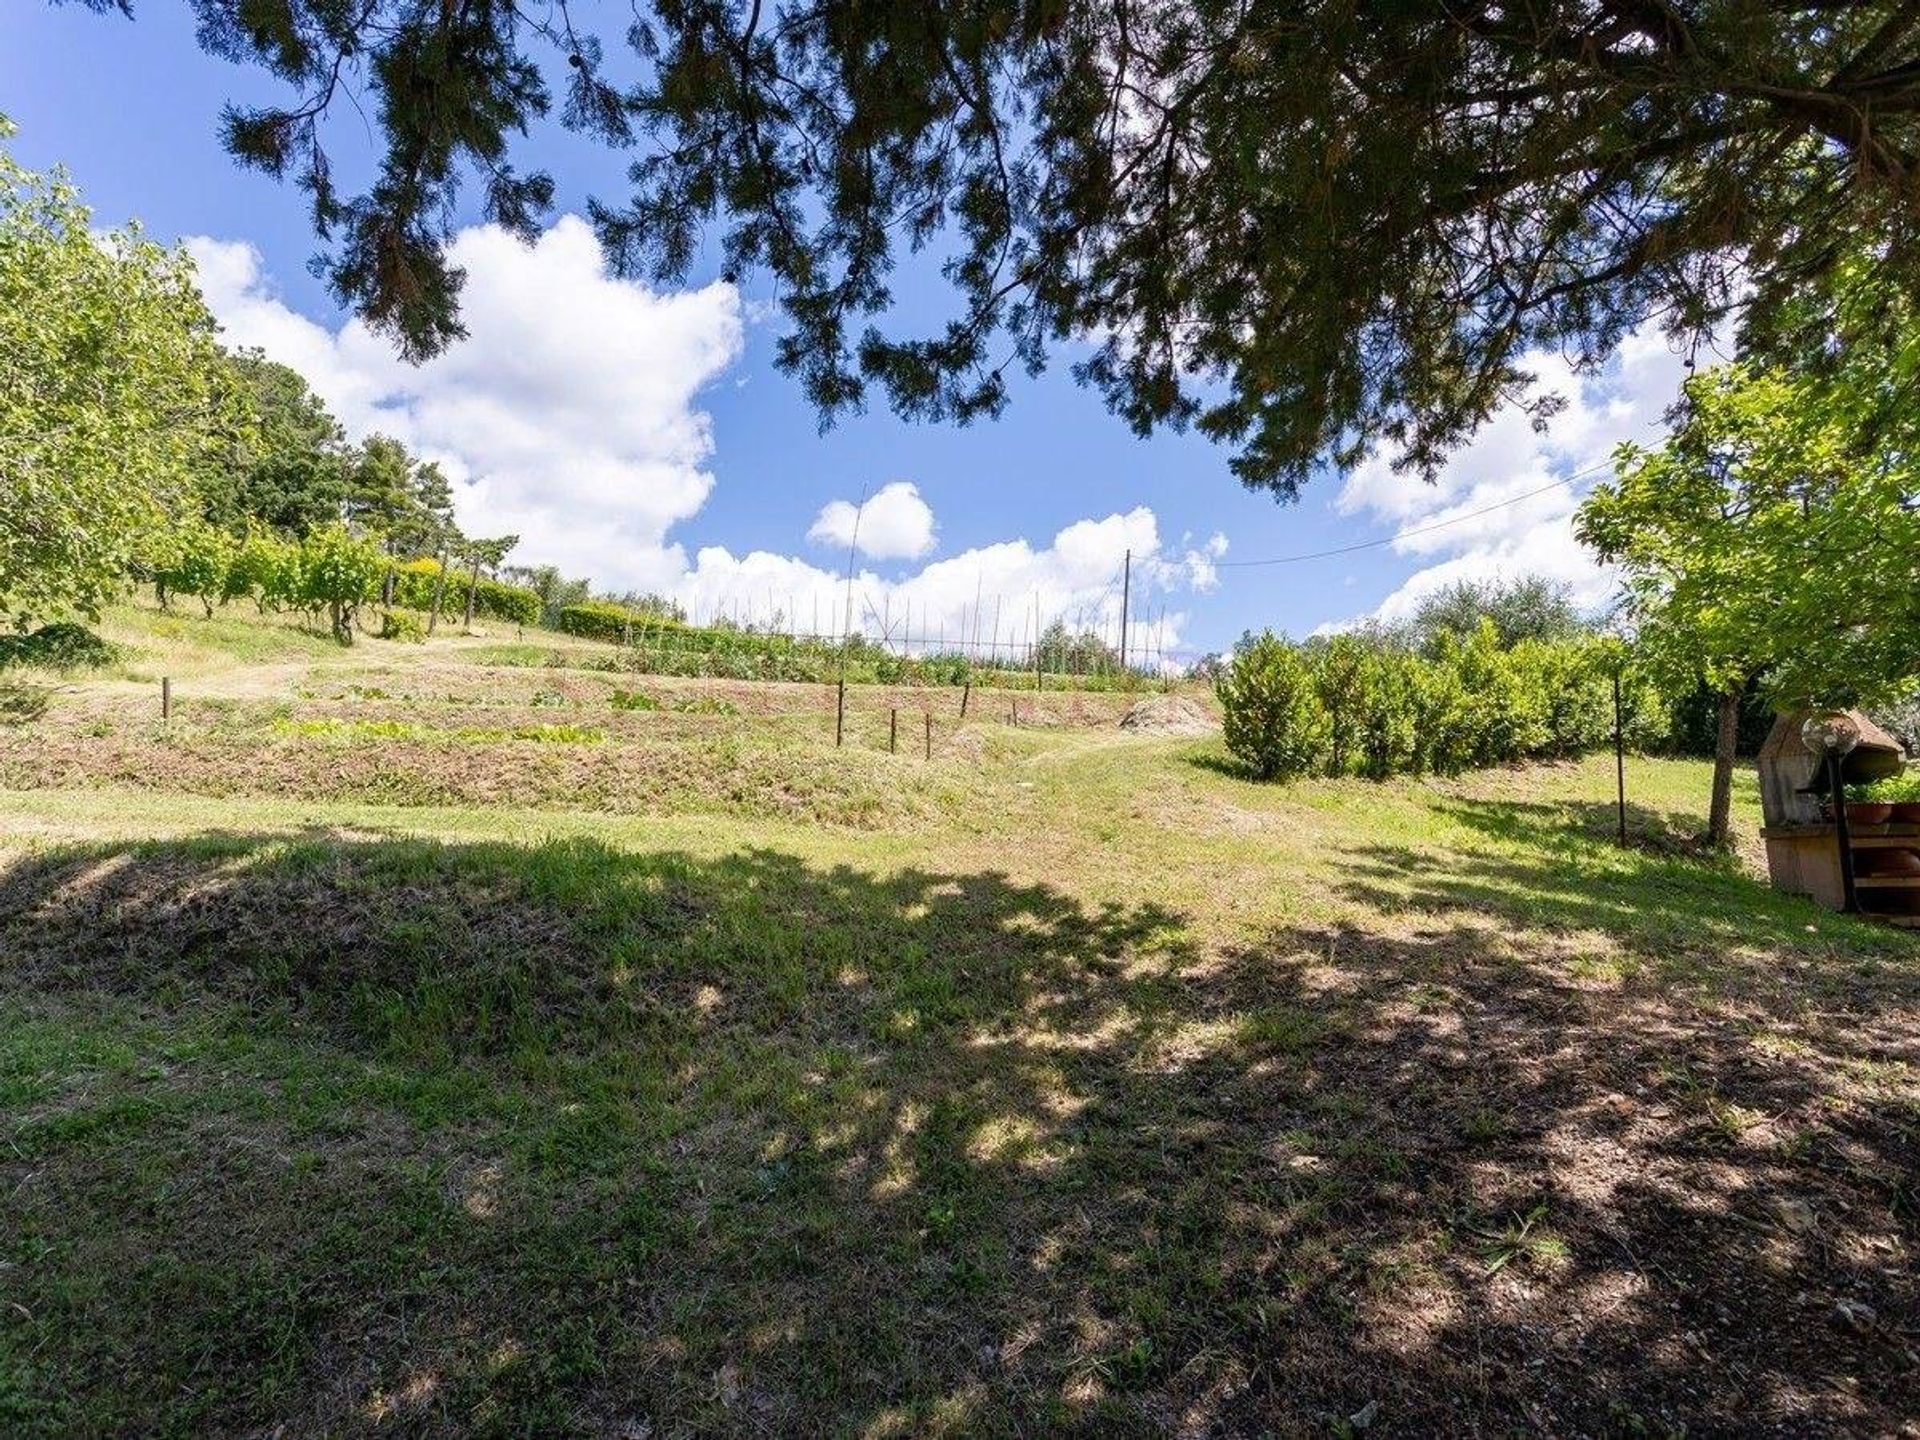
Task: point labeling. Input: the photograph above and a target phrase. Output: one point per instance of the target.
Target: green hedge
(1369, 704)
(413, 588)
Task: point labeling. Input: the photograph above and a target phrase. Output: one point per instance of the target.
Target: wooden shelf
(1886, 842)
(1887, 882)
(1885, 833)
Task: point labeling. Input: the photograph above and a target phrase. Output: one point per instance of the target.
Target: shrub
(265, 568)
(194, 560)
(601, 620)
(1385, 712)
(632, 700)
(402, 625)
(341, 572)
(61, 646)
(506, 602)
(1274, 721)
(1337, 680)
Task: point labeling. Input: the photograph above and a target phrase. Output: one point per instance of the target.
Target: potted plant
(1898, 797)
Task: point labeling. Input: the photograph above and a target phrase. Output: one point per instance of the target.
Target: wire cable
(1422, 530)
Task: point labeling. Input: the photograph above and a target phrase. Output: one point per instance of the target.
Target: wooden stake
(840, 713)
(966, 694)
(893, 731)
(929, 735)
(166, 698)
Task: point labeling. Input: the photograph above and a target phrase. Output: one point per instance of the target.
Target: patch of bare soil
(1169, 715)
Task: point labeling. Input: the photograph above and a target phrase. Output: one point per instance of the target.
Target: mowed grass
(1075, 1086)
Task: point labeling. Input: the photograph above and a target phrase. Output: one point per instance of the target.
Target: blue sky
(716, 457)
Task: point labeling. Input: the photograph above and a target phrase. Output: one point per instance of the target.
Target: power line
(1422, 530)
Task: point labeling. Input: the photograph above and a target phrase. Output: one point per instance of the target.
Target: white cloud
(566, 416)
(986, 598)
(1507, 459)
(893, 524)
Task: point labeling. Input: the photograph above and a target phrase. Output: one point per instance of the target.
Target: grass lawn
(373, 1060)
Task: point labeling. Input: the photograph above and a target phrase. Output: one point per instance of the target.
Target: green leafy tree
(112, 395)
(288, 469)
(1531, 607)
(199, 561)
(490, 554)
(380, 499)
(255, 569)
(1065, 651)
(340, 572)
(1776, 533)
(1308, 229)
(1271, 714)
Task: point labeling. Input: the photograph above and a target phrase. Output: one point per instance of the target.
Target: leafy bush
(1274, 720)
(1371, 702)
(193, 559)
(339, 572)
(705, 705)
(600, 620)
(1386, 712)
(61, 646)
(511, 603)
(632, 700)
(402, 625)
(265, 568)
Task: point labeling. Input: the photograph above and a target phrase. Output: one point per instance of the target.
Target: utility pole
(1126, 595)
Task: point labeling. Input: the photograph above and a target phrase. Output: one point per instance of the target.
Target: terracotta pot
(1869, 812)
(1907, 812)
(1887, 862)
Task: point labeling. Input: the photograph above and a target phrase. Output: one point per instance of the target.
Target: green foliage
(1373, 704)
(1322, 228)
(1775, 534)
(632, 700)
(60, 646)
(287, 471)
(339, 572)
(602, 620)
(1066, 652)
(416, 582)
(1531, 607)
(1385, 711)
(402, 625)
(196, 559)
(506, 602)
(112, 396)
(1337, 663)
(1274, 720)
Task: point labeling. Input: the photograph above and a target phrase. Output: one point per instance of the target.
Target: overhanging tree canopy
(1311, 229)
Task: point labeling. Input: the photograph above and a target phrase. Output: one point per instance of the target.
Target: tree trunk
(439, 591)
(1726, 741)
(473, 584)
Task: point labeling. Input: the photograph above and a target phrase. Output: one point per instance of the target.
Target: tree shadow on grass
(341, 1134)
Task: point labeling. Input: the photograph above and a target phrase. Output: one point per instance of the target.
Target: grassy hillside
(416, 1040)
